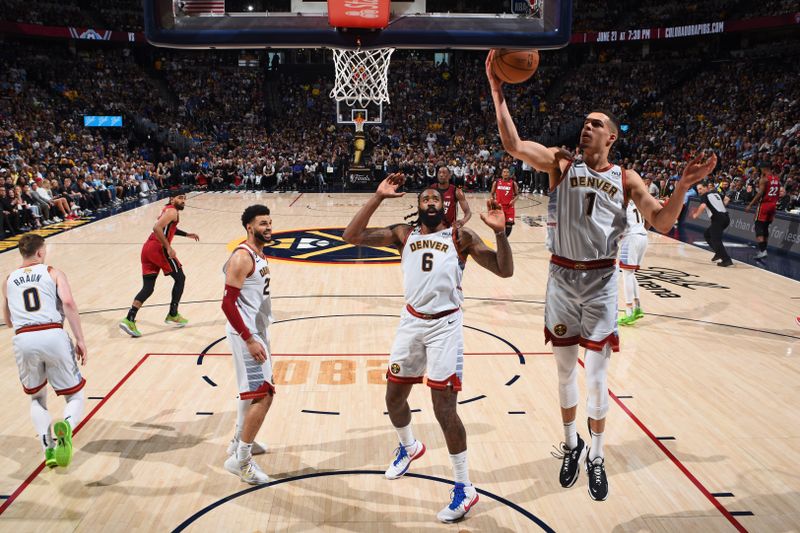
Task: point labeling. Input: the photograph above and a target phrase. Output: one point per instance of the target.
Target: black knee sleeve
(177, 288)
(148, 286)
(762, 229)
(509, 227)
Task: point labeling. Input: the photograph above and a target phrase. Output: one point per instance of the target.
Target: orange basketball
(515, 66)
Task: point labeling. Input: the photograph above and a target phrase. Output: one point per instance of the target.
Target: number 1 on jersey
(590, 199)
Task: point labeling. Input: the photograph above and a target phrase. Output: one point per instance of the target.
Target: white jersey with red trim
(635, 221)
(33, 298)
(432, 271)
(254, 302)
(586, 213)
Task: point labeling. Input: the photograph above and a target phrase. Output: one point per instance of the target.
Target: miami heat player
(159, 256)
(769, 187)
(429, 338)
(586, 218)
(505, 192)
(453, 197)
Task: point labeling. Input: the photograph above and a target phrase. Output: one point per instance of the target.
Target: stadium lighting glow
(249, 8)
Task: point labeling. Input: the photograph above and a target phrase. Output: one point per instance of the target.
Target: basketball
(515, 66)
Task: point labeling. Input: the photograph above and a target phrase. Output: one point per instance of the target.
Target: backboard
(431, 24)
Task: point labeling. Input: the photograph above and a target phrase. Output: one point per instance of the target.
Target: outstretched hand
(494, 216)
(494, 82)
(388, 187)
(698, 168)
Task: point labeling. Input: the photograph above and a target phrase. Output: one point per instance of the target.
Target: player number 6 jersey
(432, 271)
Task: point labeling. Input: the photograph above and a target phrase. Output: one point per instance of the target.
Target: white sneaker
(463, 498)
(404, 455)
(248, 472)
(257, 449)
(761, 255)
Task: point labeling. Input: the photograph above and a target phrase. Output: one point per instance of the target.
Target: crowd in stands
(249, 127)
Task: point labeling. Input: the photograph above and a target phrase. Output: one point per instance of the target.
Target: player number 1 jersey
(586, 213)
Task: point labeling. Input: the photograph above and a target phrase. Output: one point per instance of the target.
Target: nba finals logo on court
(324, 245)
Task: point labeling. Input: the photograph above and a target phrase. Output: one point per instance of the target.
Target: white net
(361, 76)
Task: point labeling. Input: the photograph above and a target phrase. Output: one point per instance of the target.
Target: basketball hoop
(361, 76)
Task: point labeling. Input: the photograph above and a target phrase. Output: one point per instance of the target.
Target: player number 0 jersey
(586, 213)
(254, 303)
(432, 271)
(33, 297)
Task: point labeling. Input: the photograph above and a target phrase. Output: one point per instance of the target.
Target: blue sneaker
(404, 455)
(463, 499)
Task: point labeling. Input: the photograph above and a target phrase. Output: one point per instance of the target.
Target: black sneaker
(725, 263)
(598, 484)
(570, 462)
(715, 258)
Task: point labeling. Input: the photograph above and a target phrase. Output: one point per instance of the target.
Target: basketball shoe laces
(401, 454)
(563, 453)
(457, 496)
(596, 473)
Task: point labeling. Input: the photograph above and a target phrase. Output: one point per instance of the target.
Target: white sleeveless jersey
(254, 303)
(586, 213)
(635, 221)
(33, 298)
(432, 271)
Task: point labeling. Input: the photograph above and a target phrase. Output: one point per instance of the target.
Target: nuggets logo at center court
(324, 245)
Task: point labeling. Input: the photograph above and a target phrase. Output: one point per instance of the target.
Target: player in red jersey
(450, 195)
(158, 255)
(767, 197)
(505, 192)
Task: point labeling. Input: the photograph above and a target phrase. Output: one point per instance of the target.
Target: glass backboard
(432, 24)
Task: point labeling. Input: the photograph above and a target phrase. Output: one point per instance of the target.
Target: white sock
(73, 412)
(241, 410)
(597, 445)
(243, 452)
(570, 435)
(41, 418)
(405, 435)
(628, 310)
(460, 473)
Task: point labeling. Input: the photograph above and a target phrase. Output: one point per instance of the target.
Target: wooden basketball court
(703, 430)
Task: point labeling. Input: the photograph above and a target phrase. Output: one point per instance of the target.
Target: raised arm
(663, 217)
(357, 232)
(70, 312)
(500, 262)
(540, 157)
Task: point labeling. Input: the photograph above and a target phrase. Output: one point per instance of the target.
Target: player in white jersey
(37, 298)
(429, 338)
(248, 308)
(588, 199)
(634, 246)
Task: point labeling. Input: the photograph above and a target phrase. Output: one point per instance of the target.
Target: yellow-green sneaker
(63, 450)
(176, 320)
(50, 458)
(638, 313)
(626, 320)
(129, 327)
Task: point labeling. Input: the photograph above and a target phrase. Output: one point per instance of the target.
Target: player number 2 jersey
(33, 298)
(254, 302)
(586, 213)
(432, 271)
